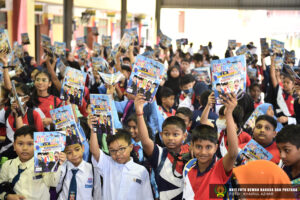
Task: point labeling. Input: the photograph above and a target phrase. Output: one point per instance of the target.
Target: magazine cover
(228, 75)
(264, 47)
(202, 74)
(134, 35)
(64, 120)
(106, 41)
(296, 184)
(96, 48)
(25, 38)
(18, 50)
(60, 66)
(47, 146)
(100, 64)
(250, 123)
(148, 54)
(4, 42)
(126, 41)
(289, 56)
(46, 43)
(253, 151)
(101, 108)
(165, 41)
(82, 53)
(278, 62)
(15, 95)
(145, 77)
(232, 44)
(277, 47)
(60, 48)
(80, 41)
(111, 79)
(73, 86)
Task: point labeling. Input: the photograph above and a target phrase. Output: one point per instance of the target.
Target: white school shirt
(84, 180)
(33, 186)
(128, 181)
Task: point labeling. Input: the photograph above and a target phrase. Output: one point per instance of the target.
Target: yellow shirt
(31, 185)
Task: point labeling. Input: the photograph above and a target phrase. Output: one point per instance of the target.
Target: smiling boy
(122, 178)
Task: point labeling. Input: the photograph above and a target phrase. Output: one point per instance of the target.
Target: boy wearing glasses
(122, 178)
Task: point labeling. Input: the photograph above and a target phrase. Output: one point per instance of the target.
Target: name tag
(88, 186)
(139, 181)
(38, 177)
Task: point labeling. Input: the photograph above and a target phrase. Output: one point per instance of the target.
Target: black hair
(120, 134)
(126, 59)
(253, 85)
(198, 57)
(185, 111)
(285, 75)
(238, 116)
(186, 79)
(24, 130)
(185, 60)
(133, 117)
(174, 120)
(289, 133)
(126, 68)
(204, 97)
(205, 132)
(222, 111)
(166, 92)
(215, 58)
(267, 118)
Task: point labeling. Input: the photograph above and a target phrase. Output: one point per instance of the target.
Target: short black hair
(24, 130)
(198, 57)
(185, 60)
(126, 59)
(185, 111)
(222, 111)
(126, 68)
(120, 134)
(238, 116)
(166, 92)
(174, 120)
(253, 85)
(289, 133)
(267, 118)
(186, 79)
(204, 97)
(205, 132)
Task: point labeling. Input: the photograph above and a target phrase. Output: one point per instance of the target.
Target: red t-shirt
(243, 138)
(274, 151)
(196, 184)
(47, 104)
(38, 123)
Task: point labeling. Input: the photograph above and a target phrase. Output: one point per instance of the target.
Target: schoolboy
(122, 178)
(166, 161)
(17, 177)
(204, 170)
(167, 102)
(264, 133)
(288, 143)
(186, 114)
(188, 86)
(77, 180)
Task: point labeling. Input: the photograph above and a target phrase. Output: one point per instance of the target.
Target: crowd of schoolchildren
(175, 147)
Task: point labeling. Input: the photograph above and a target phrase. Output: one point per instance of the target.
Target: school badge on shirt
(89, 183)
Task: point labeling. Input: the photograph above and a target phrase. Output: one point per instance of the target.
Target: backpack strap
(7, 112)
(189, 166)
(93, 180)
(162, 161)
(56, 106)
(62, 184)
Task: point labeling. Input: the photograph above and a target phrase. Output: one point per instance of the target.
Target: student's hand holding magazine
(62, 158)
(94, 146)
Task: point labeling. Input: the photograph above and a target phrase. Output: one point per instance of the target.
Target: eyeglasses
(121, 150)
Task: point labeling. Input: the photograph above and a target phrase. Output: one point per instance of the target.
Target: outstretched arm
(148, 144)
(204, 117)
(229, 159)
(94, 146)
